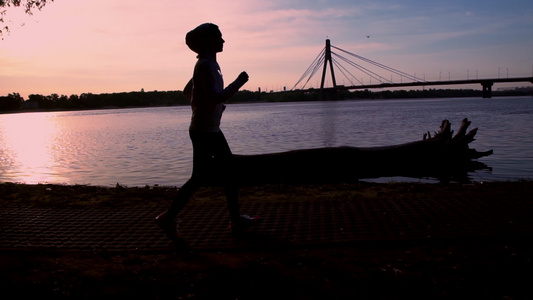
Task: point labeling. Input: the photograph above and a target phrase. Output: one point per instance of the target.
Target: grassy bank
(477, 268)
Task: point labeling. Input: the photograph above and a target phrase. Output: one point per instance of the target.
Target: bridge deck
(431, 83)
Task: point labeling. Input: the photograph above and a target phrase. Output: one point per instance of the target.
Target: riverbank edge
(85, 194)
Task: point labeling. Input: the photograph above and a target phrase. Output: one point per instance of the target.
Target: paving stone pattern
(205, 227)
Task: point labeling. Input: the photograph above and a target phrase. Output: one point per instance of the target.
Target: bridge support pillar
(487, 89)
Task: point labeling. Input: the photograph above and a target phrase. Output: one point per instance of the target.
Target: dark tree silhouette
(11, 102)
(29, 7)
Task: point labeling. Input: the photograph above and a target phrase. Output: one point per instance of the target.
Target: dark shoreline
(86, 194)
(126, 100)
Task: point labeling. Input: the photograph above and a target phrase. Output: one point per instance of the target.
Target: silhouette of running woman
(212, 157)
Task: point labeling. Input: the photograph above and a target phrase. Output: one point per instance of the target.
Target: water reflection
(27, 145)
(329, 123)
(103, 147)
(136, 147)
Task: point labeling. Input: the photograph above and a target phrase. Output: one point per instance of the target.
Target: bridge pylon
(487, 88)
(327, 58)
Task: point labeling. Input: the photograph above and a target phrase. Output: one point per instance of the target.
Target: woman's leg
(182, 197)
(212, 162)
(225, 161)
(202, 158)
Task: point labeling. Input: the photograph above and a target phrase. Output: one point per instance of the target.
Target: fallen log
(442, 156)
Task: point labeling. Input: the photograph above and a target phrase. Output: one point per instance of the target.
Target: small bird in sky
(367, 36)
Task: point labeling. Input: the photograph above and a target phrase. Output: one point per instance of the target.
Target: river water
(149, 146)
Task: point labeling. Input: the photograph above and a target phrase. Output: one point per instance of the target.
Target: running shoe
(169, 226)
(244, 223)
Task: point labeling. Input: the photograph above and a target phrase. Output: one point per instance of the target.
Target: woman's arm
(205, 80)
(187, 90)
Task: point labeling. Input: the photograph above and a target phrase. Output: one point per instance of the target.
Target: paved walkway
(291, 223)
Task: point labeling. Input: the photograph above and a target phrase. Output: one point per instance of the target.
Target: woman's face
(218, 42)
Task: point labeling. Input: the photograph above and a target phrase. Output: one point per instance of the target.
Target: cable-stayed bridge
(338, 62)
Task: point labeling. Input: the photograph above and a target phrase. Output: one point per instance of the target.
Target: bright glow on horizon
(99, 46)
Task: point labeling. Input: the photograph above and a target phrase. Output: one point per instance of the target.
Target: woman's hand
(243, 77)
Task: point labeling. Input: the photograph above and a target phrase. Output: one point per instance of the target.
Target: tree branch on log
(444, 156)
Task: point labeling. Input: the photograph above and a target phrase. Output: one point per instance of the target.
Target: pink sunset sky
(102, 46)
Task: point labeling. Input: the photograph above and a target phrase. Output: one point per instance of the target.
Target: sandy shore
(473, 268)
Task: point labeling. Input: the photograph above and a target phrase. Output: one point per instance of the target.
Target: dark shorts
(212, 158)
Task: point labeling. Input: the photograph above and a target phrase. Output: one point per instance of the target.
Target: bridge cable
(362, 69)
(343, 69)
(365, 70)
(398, 72)
(315, 69)
(315, 65)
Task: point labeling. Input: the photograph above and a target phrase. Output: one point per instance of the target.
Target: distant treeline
(15, 103)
